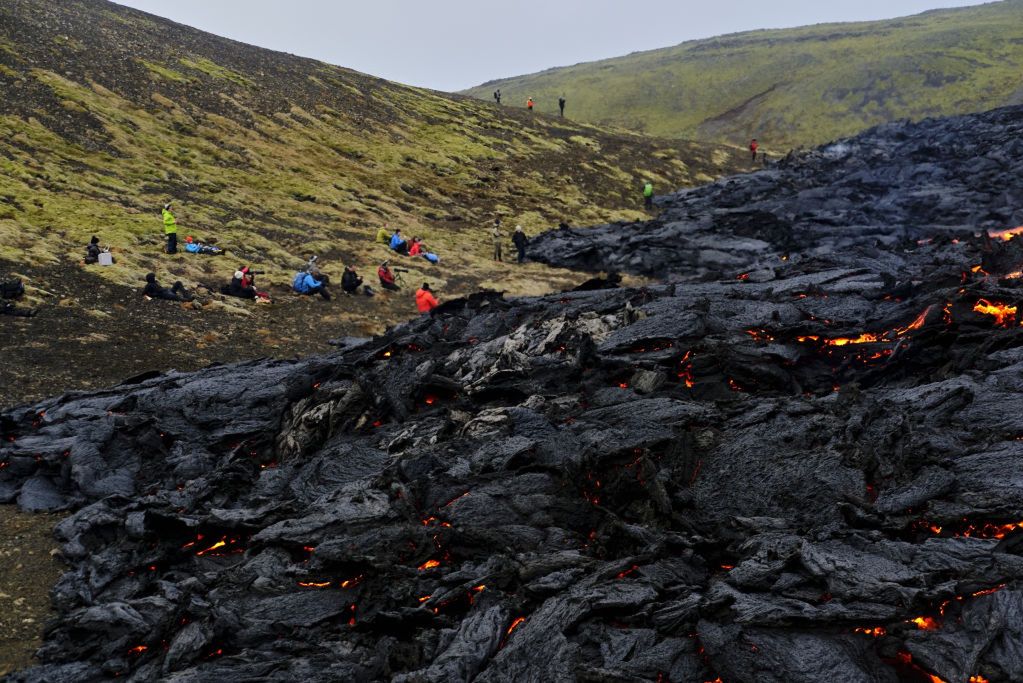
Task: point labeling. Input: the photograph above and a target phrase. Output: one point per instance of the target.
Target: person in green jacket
(648, 196)
(170, 228)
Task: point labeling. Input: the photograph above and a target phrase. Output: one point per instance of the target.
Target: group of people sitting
(399, 245)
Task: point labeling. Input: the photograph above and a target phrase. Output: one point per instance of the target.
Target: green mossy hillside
(796, 87)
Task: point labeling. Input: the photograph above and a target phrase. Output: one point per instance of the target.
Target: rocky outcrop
(893, 184)
(805, 471)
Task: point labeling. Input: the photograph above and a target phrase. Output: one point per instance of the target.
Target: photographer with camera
(387, 277)
(243, 285)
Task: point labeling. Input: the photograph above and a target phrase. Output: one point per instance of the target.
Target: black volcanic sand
(796, 467)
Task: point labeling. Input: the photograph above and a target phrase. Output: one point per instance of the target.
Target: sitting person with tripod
(387, 279)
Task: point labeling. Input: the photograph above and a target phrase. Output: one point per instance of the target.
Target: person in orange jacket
(753, 147)
(529, 104)
(425, 300)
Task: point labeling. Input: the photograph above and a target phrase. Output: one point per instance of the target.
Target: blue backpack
(298, 284)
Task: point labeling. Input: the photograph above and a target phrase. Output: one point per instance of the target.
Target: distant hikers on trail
(154, 290)
(387, 277)
(561, 105)
(648, 196)
(753, 147)
(398, 243)
(529, 104)
(497, 234)
(520, 241)
(425, 300)
(497, 96)
(97, 254)
(170, 228)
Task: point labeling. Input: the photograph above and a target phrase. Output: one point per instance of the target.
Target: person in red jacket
(425, 300)
(529, 104)
(753, 147)
(387, 277)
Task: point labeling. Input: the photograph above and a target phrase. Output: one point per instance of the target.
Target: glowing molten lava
(314, 584)
(429, 564)
(514, 625)
(216, 546)
(1002, 313)
(876, 632)
(925, 623)
(1006, 235)
(978, 679)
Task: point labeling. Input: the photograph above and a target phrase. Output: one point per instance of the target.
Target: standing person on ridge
(425, 300)
(496, 234)
(170, 228)
(753, 147)
(561, 105)
(648, 196)
(520, 240)
(497, 95)
(529, 104)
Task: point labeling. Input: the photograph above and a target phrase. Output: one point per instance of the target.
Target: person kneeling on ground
(305, 283)
(387, 277)
(154, 291)
(425, 300)
(398, 244)
(350, 281)
(93, 250)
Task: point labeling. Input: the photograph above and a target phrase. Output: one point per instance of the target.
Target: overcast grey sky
(455, 44)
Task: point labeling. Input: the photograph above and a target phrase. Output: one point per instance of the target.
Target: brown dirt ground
(28, 569)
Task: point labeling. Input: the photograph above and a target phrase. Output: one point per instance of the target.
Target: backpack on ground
(12, 289)
(298, 283)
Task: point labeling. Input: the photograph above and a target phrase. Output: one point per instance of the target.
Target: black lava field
(796, 459)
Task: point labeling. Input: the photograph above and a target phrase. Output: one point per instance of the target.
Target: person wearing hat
(153, 290)
(520, 240)
(425, 300)
(241, 285)
(387, 277)
(170, 228)
(529, 104)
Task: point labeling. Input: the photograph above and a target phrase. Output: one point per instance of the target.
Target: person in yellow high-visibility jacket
(170, 228)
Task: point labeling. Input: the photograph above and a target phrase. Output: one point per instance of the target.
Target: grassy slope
(112, 112)
(800, 86)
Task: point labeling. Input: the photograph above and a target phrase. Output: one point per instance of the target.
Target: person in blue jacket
(398, 244)
(305, 283)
